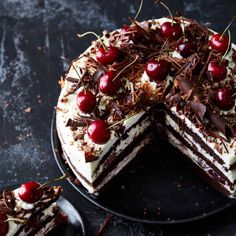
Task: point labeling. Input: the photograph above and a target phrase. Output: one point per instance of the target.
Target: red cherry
(30, 192)
(4, 226)
(107, 84)
(108, 56)
(86, 101)
(223, 98)
(98, 132)
(217, 71)
(219, 43)
(169, 30)
(186, 47)
(157, 70)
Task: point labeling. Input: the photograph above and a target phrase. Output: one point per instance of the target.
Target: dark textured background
(33, 36)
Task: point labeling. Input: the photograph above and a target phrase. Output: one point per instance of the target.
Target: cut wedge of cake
(30, 209)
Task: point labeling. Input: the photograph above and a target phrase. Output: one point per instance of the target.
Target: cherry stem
(168, 9)
(230, 23)
(22, 221)
(131, 63)
(121, 121)
(51, 181)
(228, 47)
(98, 37)
(183, 29)
(63, 58)
(139, 10)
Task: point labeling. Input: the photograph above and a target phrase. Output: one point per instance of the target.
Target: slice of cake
(30, 209)
(173, 73)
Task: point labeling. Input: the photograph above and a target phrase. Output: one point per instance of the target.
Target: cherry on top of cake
(189, 66)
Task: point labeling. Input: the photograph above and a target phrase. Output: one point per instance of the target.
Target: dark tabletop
(34, 34)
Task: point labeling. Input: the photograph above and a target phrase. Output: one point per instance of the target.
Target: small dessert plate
(75, 225)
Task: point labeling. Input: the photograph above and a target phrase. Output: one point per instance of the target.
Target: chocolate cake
(30, 209)
(172, 73)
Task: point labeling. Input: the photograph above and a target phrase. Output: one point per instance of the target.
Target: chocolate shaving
(78, 84)
(117, 109)
(220, 123)
(9, 199)
(185, 86)
(72, 80)
(146, 34)
(187, 70)
(104, 225)
(199, 109)
(97, 74)
(73, 123)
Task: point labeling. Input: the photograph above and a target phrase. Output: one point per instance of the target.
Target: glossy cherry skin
(4, 226)
(219, 43)
(108, 56)
(125, 28)
(86, 101)
(172, 31)
(157, 70)
(186, 47)
(98, 132)
(107, 84)
(223, 98)
(216, 71)
(30, 192)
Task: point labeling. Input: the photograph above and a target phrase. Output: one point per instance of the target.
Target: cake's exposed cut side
(30, 209)
(182, 71)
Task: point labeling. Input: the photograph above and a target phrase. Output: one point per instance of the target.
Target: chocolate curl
(146, 34)
(176, 98)
(185, 86)
(75, 124)
(199, 109)
(220, 123)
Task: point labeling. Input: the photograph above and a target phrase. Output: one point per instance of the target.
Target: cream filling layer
(116, 170)
(203, 165)
(228, 156)
(76, 157)
(14, 227)
(230, 174)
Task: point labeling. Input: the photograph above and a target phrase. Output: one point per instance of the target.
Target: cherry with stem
(108, 83)
(171, 29)
(104, 55)
(186, 46)
(219, 42)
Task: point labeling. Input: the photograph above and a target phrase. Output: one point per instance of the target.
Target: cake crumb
(28, 109)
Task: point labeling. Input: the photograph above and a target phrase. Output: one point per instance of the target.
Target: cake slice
(30, 209)
(148, 76)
